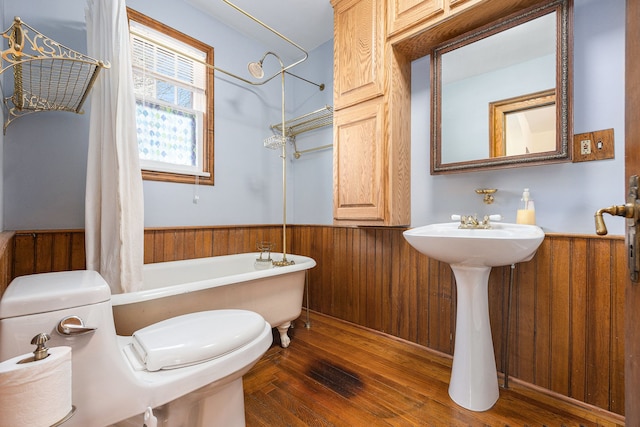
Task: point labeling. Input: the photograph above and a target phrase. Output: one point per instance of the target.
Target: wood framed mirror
(509, 74)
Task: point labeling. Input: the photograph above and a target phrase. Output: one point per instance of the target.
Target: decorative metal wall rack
(47, 76)
(305, 123)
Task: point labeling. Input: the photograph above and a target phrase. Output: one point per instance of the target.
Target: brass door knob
(630, 211)
(627, 210)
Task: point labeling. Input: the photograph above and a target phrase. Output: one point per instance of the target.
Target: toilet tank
(47, 292)
(36, 303)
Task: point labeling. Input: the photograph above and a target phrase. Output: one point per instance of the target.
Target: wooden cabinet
(415, 27)
(370, 170)
(374, 44)
(371, 148)
(407, 17)
(358, 51)
(402, 14)
(358, 164)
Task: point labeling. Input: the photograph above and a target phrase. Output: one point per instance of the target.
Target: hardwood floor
(340, 374)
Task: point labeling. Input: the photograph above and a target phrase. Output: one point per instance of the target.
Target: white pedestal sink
(471, 253)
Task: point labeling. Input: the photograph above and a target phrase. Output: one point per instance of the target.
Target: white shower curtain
(114, 218)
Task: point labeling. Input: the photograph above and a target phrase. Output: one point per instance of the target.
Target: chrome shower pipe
(283, 155)
(282, 36)
(320, 86)
(282, 71)
(258, 66)
(235, 76)
(284, 181)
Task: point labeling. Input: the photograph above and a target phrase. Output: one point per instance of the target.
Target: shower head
(255, 68)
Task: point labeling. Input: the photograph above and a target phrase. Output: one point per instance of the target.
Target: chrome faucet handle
(461, 218)
(486, 221)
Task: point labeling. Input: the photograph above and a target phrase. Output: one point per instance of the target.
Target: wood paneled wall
(186, 243)
(567, 305)
(567, 328)
(46, 251)
(6, 259)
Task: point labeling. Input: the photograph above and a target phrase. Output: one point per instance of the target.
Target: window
(174, 102)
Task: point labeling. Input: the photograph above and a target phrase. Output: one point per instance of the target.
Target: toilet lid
(195, 337)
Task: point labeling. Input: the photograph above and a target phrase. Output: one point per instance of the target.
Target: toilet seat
(194, 338)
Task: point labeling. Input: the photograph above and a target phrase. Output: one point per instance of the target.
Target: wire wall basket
(47, 75)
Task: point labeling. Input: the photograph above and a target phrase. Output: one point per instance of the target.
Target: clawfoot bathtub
(232, 281)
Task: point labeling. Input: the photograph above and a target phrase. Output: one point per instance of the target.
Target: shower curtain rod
(283, 37)
(229, 73)
(320, 86)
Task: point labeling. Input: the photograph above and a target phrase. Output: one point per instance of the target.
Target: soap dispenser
(526, 212)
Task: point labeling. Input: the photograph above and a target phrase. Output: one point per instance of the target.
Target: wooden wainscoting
(46, 251)
(6, 259)
(567, 307)
(567, 331)
(60, 250)
(161, 244)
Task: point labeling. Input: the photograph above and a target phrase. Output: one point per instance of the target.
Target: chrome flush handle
(73, 325)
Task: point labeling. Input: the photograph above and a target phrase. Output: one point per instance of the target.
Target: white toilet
(184, 371)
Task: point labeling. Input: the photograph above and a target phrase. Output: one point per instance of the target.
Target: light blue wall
(45, 154)
(566, 195)
(312, 195)
(247, 176)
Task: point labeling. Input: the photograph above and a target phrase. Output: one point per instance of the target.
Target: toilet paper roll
(37, 393)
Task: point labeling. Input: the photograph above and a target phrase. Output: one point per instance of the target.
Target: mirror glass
(500, 94)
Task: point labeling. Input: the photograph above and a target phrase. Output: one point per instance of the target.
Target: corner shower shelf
(47, 76)
(305, 123)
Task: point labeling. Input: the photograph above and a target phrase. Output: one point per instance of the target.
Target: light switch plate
(596, 145)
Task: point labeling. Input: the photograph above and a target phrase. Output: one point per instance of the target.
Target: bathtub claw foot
(284, 338)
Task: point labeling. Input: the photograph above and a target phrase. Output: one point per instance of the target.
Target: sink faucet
(472, 221)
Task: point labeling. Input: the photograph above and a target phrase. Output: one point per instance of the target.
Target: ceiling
(308, 23)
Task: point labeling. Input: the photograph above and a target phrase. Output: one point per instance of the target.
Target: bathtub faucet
(264, 261)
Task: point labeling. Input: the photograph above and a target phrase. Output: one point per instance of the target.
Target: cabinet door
(404, 13)
(358, 51)
(358, 164)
